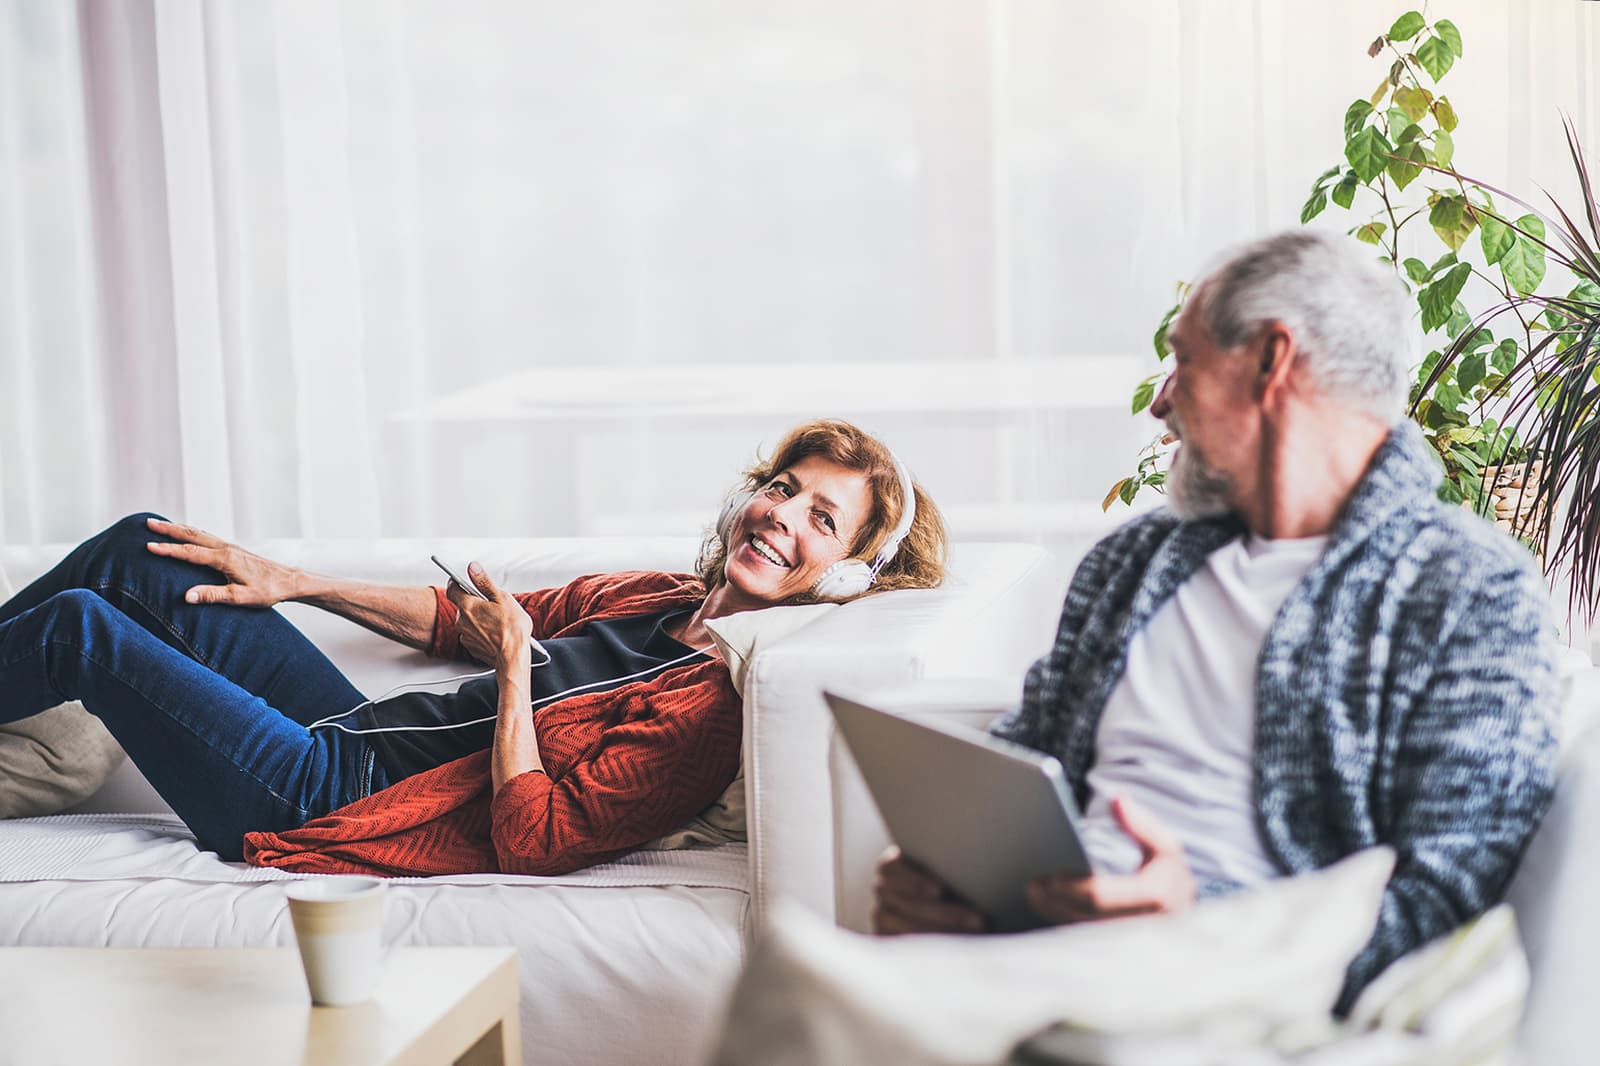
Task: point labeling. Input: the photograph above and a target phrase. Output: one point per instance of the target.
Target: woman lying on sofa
(268, 753)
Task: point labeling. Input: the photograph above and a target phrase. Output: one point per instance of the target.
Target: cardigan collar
(1402, 469)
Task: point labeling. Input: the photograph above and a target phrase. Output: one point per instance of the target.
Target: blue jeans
(210, 701)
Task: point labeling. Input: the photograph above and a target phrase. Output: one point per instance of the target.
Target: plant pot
(1513, 489)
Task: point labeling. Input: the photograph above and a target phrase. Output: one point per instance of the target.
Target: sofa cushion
(622, 962)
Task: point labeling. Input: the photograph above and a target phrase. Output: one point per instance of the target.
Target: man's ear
(1277, 351)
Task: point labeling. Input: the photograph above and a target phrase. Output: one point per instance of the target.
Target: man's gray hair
(1352, 319)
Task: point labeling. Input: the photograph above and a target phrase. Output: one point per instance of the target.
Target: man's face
(1209, 402)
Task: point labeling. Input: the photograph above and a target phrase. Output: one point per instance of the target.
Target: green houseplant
(1514, 417)
(1549, 397)
(1401, 131)
(1423, 228)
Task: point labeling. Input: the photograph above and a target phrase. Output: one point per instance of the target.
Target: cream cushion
(50, 761)
(1236, 973)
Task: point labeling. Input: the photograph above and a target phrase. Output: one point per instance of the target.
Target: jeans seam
(243, 772)
(166, 623)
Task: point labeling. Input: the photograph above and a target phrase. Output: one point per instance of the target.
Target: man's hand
(909, 899)
(494, 631)
(252, 581)
(1162, 884)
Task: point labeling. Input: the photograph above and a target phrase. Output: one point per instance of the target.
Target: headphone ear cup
(730, 513)
(843, 580)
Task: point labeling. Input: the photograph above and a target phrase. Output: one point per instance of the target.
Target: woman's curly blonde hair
(919, 562)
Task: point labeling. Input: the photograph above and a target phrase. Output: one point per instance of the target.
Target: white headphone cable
(330, 721)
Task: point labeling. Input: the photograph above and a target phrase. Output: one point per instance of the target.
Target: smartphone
(473, 590)
(459, 578)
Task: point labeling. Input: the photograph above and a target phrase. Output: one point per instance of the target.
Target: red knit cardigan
(623, 767)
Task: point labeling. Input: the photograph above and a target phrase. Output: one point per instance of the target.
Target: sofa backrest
(994, 616)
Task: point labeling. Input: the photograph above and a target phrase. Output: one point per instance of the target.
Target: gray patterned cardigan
(1406, 692)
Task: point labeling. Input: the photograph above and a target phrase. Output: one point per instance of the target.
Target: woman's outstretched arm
(402, 614)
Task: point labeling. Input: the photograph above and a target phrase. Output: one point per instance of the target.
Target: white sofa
(624, 963)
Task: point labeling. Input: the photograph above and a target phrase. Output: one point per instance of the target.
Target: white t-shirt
(1178, 733)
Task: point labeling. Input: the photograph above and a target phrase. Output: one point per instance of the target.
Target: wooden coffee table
(250, 1006)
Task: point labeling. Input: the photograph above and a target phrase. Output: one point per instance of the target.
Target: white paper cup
(338, 924)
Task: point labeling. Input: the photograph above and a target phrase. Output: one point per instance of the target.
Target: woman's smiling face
(793, 528)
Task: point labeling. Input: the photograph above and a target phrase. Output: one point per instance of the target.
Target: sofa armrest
(1553, 895)
(991, 619)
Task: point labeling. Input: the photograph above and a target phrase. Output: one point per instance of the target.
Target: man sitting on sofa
(1308, 653)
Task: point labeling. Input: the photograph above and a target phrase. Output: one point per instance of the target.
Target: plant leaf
(1523, 263)
(1159, 339)
(1370, 232)
(1380, 92)
(1406, 26)
(1368, 153)
(1356, 117)
(1111, 497)
(1145, 393)
(1130, 489)
(1469, 372)
(1458, 320)
(1445, 114)
(1495, 236)
(1438, 299)
(1413, 101)
(1448, 396)
(1344, 193)
(1444, 147)
(1407, 163)
(1449, 35)
(1436, 57)
(1416, 270)
(1451, 221)
(1314, 205)
(1504, 356)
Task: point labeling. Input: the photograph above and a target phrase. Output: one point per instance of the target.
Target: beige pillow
(1233, 976)
(54, 759)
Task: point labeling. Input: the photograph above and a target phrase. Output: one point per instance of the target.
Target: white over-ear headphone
(847, 577)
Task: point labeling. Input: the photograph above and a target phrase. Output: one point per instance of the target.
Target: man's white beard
(1195, 489)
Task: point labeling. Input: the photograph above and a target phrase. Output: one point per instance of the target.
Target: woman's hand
(252, 581)
(496, 630)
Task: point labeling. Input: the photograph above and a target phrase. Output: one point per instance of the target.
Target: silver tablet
(983, 814)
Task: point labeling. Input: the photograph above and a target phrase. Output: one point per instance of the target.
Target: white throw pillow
(51, 760)
(1256, 969)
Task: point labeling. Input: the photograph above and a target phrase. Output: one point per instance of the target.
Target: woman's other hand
(495, 630)
(251, 580)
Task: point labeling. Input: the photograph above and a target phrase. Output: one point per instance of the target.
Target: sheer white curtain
(544, 268)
